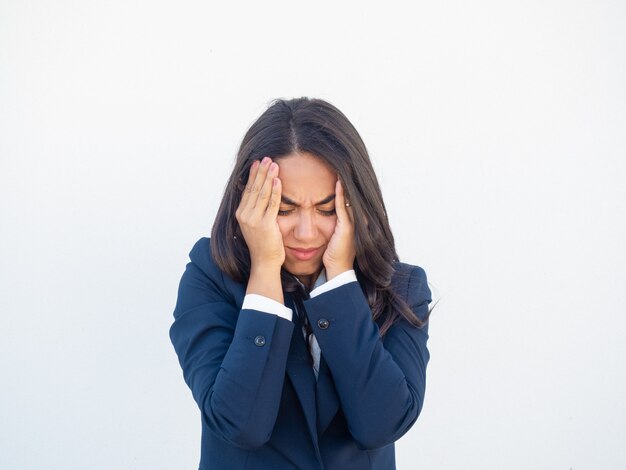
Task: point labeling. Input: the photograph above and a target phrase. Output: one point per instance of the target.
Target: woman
(301, 336)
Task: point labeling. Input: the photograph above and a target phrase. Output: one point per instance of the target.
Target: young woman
(301, 335)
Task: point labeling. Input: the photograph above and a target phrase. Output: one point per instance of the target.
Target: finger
(254, 184)
(274, 203)
(265, 191)
(343, 215)
(258, 182)
(254, 168)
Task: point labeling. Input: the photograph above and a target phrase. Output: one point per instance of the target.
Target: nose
(305, 229)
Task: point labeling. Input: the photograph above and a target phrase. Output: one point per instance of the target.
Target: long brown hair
(317, 127)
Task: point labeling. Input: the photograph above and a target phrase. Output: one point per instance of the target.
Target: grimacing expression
(306, 216)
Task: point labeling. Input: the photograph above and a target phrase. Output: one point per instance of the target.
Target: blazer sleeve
(233, 360)
(380, 383)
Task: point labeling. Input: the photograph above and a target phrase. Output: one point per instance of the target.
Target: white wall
(498, 130)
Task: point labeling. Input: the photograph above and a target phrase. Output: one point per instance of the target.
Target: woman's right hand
(257, 214)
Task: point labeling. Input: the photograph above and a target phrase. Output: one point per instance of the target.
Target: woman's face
(306, 216)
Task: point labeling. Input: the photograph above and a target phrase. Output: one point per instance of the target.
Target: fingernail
(273, 166)
(255, 164)
(265, 160)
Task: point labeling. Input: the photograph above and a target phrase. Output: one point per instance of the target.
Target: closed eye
(327, 213)
(290, 202)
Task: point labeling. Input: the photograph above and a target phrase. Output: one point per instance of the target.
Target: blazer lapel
(326, 397)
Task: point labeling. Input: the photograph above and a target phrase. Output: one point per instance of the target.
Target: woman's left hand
(340, 253)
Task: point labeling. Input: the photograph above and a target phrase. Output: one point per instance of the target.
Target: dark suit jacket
(251, 375)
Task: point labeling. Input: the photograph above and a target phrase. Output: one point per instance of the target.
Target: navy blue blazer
(252, 378)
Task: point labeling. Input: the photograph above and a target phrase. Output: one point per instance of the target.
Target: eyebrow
(291, 202)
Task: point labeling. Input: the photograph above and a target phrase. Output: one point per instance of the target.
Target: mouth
(304, 254)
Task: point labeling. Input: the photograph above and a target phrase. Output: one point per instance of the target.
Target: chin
(303, 269)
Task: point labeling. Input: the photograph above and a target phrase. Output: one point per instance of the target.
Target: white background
(497, 129)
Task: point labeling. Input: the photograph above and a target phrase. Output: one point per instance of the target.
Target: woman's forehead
(306, 179)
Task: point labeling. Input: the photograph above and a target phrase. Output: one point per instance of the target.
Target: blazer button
(322, 323)
(259, 340)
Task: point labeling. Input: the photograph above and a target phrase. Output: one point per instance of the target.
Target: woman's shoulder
(202, 257)
(204, 271)
(411, 283)
(405, 274)
(201, 252)
(405, 269)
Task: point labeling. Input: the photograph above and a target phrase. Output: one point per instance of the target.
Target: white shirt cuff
(266, 305)
(337, 281)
